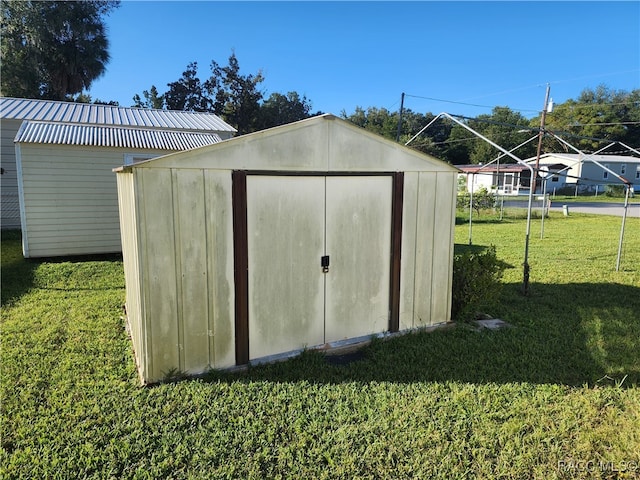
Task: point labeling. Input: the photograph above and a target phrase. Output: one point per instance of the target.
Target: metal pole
(400, 118)
(624, 220)
(543, 118)
(473, 178)
(525, 287)
(544, 205)
(619, 177)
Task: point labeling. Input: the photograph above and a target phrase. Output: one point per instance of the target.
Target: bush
(476, 283)
(482, 200)
(566, 191)
(615, 191)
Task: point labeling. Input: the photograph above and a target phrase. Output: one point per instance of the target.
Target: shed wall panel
(444, 215)
(424, 249)
(407, 269)
(161, 277)
(219, 238)
(132, 272)
(191, 265)
(187, 239)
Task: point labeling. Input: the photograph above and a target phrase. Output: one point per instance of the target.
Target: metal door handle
(324, 263)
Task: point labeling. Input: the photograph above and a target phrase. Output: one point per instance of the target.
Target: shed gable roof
(52, 133)
(109, 115)
(322, 143)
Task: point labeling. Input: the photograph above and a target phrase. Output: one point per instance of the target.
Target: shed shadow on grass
(19, 273)
(573, 334)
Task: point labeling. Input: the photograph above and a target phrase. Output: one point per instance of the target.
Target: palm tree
(64, 42)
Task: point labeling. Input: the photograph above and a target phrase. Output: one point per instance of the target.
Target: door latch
(324, 263)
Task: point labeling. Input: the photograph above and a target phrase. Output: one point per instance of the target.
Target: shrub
(482, 200)
(566, 191)
(615, 191)
(476, 282)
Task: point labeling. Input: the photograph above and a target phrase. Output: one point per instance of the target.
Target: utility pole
(400, 118)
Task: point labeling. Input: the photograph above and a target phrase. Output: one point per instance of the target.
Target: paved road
(602, 208)
(599, 208)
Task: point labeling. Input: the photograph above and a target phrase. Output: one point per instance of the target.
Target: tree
(595, 117)
(152, 99)
(86, 98)
(502, 127)
(237, 97)
(457, 148)
(188, 92)
(281, 109)
(53, 49)
(234, 96)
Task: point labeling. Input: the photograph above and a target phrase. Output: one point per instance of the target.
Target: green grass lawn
(556, 396)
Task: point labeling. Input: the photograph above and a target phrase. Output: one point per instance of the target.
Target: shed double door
(293, 223)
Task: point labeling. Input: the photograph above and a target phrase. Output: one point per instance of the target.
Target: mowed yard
(556, 396)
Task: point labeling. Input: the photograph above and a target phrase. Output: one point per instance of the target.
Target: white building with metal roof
(582, 173)
(56, 182)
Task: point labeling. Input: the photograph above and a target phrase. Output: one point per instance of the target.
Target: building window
(623, 169)
(554, 178)
(638, 172)
(605, 173)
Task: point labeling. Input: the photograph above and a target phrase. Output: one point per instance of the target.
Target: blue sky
(347, 54)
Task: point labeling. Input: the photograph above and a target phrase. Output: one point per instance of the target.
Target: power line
(466, 104)
(530, 129)
(601, 123)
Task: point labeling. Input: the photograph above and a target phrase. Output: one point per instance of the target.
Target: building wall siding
(10, 205)
(133, 277)
(70, 200)
(186, 237)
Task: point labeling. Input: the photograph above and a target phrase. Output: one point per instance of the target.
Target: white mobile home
(585, 175)
(57, 181)
(299, 236)
(502, 179)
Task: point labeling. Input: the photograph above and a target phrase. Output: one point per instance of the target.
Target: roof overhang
(55, 133)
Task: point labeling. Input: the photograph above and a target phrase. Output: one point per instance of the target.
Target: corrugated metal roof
(92, 114)
(503, 167)
(111, 136)
(602, 158)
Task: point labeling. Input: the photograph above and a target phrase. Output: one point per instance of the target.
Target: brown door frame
(241, 248)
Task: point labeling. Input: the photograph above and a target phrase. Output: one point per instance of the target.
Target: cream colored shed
(304, 235)
(57, 182)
